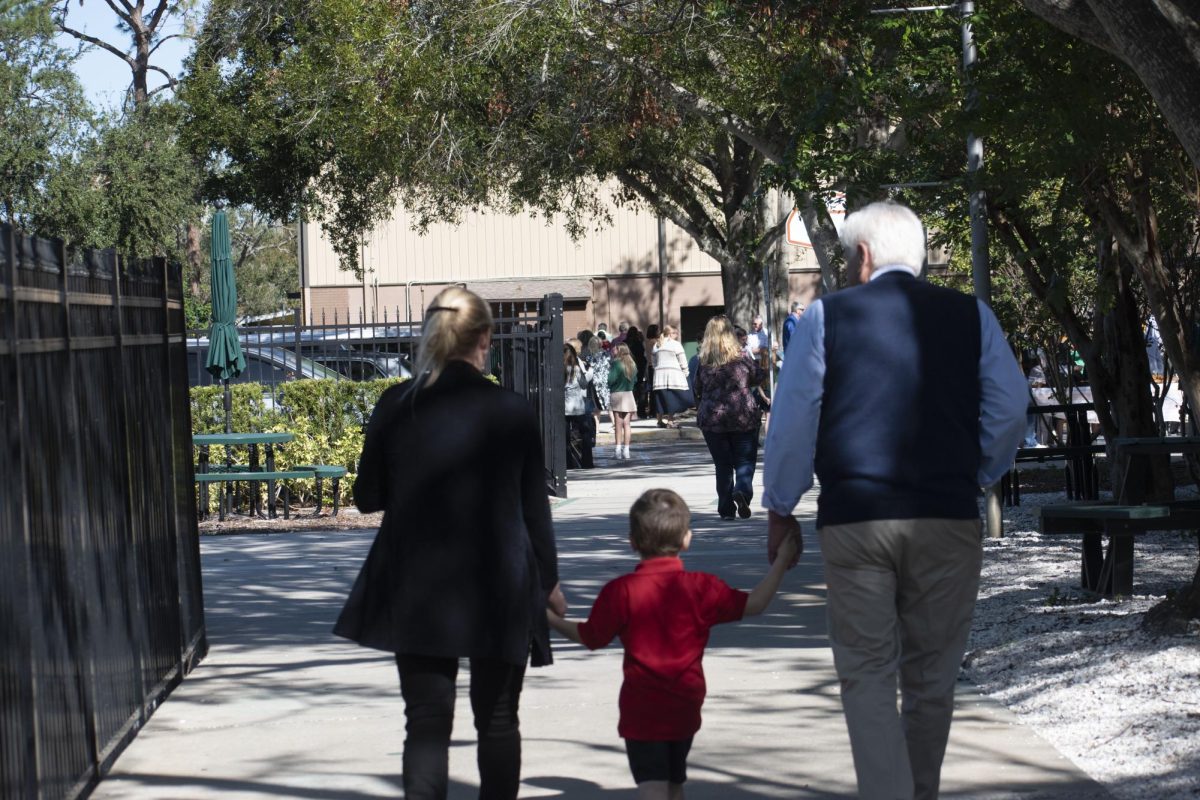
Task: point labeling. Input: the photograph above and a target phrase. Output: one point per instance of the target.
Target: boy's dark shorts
(658, 761)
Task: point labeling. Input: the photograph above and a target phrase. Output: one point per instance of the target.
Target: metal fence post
(75, 521)
(25, 727)
(553, 379)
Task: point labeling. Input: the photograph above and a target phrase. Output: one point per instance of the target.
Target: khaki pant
(900, 598)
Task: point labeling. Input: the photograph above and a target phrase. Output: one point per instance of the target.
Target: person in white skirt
(622, 377)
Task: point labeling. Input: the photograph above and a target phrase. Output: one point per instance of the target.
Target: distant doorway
(692, 321)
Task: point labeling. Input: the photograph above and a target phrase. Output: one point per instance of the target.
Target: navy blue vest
(899, 430)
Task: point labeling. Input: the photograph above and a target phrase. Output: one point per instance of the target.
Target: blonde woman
(671, 394)
(622, 377)
(728, 414)
(464, 563)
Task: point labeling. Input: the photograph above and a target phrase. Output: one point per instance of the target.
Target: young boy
(663, 615)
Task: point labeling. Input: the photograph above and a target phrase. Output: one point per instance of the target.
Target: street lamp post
(981, 275)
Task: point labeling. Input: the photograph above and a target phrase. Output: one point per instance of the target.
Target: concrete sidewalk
(282, 709)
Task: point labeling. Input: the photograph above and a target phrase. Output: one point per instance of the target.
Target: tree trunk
(141, 57)
(776, 209)
(824, 238)
(742, 284)
(1173, 615)
(1121, 383)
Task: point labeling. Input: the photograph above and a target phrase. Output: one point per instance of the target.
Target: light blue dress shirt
(796, 408)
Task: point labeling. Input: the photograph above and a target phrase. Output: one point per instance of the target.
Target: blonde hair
(720, 344)
(622, 356)
(454, 322)
(669, 330)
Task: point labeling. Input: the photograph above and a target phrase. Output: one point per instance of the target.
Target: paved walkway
(282, 709)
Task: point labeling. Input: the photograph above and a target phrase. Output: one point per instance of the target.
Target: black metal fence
(526, 357)
(100, 590)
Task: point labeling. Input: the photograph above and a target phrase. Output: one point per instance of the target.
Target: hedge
(327, 417)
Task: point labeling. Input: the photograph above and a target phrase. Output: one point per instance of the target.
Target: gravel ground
(1123, 705)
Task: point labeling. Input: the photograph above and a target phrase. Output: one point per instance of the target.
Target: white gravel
(1121, 704)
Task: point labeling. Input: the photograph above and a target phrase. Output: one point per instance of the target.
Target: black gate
(527, 357)
(99, 553)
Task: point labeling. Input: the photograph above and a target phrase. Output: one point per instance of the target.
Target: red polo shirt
(662, 615)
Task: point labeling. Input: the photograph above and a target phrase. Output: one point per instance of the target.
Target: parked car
(365, 365)
(266, 365)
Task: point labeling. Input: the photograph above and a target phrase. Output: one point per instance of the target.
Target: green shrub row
(327, 417)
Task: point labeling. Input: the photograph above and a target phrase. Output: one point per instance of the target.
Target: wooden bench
(335, 475)
(1107, 572)
(254, 476)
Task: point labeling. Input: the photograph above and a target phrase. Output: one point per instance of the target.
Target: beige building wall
(609, 275)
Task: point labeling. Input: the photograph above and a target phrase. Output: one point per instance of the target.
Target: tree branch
(163, 40)
(171, 80)
(157, 15)
(1075, 18)
(706, 242)
(83, 37)
(125, 11)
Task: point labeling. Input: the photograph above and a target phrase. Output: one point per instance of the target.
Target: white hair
(892, 232)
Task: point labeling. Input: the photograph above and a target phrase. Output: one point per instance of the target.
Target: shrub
(328, 418)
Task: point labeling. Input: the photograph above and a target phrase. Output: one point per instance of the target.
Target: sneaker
(727, 516)
(743, 505)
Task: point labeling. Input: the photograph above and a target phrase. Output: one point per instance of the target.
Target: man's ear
(687, 541)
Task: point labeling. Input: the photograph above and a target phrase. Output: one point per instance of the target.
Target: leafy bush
(327, 417)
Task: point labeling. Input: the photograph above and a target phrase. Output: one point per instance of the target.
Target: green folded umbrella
(225, 359)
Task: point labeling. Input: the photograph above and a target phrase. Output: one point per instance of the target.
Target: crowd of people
(465, 562)
(643, 375)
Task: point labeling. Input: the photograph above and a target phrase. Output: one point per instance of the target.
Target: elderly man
(905, 399)
(759, 339)
(622, 333)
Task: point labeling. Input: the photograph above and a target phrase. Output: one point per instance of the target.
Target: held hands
(784, 539)
(556, 602)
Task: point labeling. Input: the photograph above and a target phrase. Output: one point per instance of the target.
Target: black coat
(465, 556)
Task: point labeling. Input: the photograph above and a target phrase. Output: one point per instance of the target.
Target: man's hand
(556, 602)
(779, 530)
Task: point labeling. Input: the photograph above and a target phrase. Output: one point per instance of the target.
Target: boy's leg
(659, 768)
(678, 765)
(427, 685)
(495, 699)
(654, 790)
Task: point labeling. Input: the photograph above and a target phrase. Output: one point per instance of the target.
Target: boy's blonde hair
(658, 522)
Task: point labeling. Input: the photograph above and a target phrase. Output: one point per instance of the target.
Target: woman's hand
(556, 602)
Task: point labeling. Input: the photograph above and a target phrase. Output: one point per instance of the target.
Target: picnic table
(1110, 572)
(1078, 454)
(203, 441)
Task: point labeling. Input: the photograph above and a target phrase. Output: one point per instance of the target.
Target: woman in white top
(671, 394)
(575, 403)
